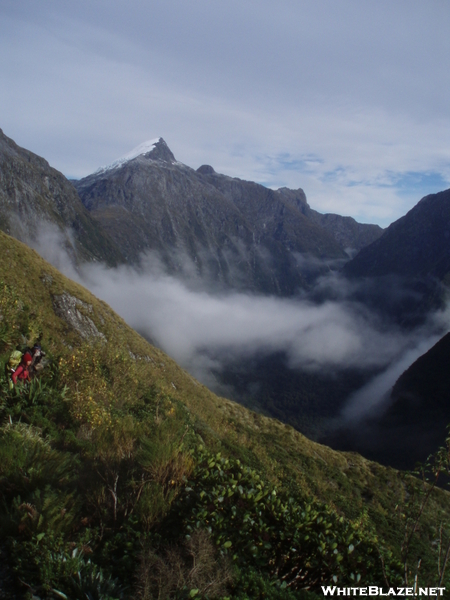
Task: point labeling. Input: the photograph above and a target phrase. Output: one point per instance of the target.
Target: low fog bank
(322, 330)
(203, 330)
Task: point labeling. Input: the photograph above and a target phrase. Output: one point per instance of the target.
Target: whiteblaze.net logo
(373, 590)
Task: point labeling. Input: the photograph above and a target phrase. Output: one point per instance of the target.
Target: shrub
(190, 570)
(299, 543)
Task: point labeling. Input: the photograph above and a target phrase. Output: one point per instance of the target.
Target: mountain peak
(160, 151)
(205, 170)
(155, 149)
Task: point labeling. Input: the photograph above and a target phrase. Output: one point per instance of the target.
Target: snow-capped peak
(143, 148)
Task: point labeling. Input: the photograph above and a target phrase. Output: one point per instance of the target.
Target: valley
(248, 288)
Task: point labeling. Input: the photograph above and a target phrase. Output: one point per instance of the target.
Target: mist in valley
(322, 333)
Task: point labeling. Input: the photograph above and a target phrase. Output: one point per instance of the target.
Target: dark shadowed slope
(417, 245)
(33, 193)
(415, 419)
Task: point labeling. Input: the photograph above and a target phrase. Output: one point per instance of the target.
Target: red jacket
(21, 373)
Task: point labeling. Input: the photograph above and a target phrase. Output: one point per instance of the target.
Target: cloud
(185, 322)
(203, 327)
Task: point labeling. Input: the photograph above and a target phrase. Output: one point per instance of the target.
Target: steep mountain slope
(66, 318)
(416, 245)
(403, 274)
(415, 419)
(32, 194)
(114, 451)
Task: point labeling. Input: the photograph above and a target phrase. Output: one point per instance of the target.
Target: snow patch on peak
(143, 148)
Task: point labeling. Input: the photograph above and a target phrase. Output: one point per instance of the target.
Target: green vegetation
(122, 477)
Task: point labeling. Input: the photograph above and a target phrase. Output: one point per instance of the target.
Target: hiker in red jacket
(22, 372)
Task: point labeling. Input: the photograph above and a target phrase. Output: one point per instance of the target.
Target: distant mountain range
(235, 232)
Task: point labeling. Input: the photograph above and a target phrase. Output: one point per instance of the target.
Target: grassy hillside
(123, 477)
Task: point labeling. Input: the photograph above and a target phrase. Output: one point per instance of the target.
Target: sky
(345, 99)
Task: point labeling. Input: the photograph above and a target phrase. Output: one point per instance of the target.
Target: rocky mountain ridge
(237, 233)
(416, 245)
(33, 194)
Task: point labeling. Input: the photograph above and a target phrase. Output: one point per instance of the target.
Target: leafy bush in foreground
(296, 543)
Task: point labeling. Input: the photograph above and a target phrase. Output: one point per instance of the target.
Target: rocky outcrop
(348, 233)
(71, 310)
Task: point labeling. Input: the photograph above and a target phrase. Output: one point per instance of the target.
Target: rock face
(349, 234)
(238, 233)
(32, 194)
(69, 309)
(417, 245)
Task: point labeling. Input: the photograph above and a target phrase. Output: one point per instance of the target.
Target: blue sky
(345, 99)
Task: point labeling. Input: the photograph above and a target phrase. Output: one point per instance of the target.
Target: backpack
(14, 361)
